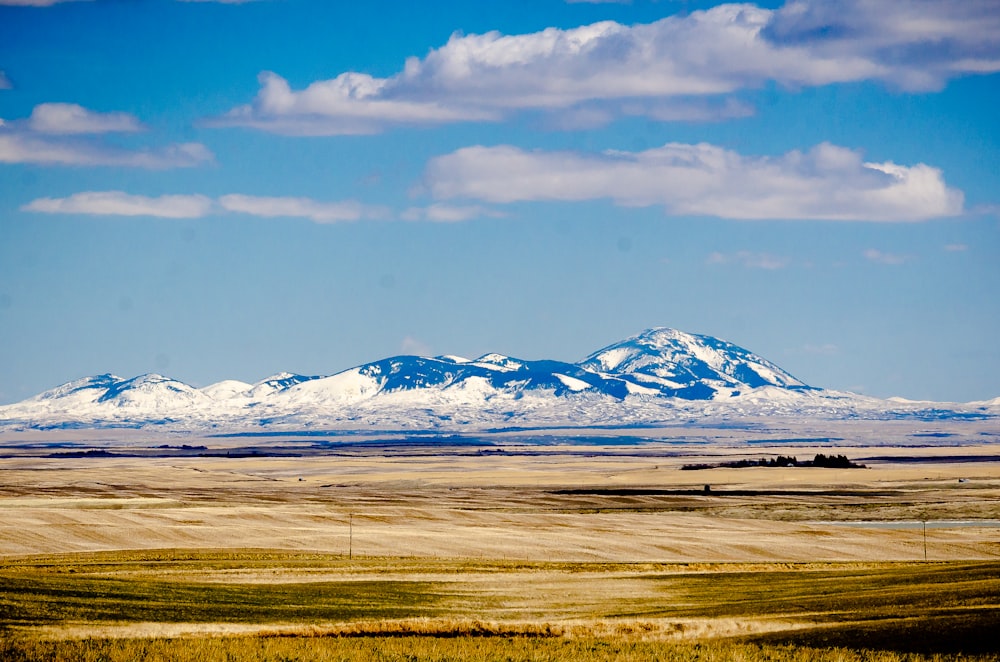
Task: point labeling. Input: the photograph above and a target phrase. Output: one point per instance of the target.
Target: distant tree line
(820, 460)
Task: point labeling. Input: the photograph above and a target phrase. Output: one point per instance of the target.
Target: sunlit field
(533, 553)
(265, 605)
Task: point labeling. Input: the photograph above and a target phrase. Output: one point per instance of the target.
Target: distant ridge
(657, 376)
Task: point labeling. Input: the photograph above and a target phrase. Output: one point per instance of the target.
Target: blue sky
(215, 190)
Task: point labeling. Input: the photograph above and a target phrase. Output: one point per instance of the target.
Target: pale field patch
(527, 502)
(691, 629)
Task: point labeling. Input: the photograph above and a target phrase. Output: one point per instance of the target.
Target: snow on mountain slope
(108, 396)
(278, 382)
(227, 389)
(345, 387)
(153, 393)
(77, 392)
(658, 376)
(689, 366)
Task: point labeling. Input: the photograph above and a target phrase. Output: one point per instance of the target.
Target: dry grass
(465, 557)
(437, 649)
(904, 607)
(510, 505)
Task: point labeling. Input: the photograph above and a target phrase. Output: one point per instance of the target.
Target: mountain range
(658, 376)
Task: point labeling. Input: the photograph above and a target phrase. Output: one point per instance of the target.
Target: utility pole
(924, 522)
(350, 536)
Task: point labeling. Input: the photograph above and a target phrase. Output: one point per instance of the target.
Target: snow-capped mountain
(688, 366)
(656, 376)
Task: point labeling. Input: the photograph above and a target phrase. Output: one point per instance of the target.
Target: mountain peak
(644, 377)
(689, 364)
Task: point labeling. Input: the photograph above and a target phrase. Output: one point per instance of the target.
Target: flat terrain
(606, 540)
(939, 606)
(625, 502)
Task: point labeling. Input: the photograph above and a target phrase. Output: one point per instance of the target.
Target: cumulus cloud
(350, 104)
(664, 70)
(444, 213)
(318, 212)
(117, 203)
(56, 134)
(67, 118)
(826, 183)
(916, 44)
(750, 260)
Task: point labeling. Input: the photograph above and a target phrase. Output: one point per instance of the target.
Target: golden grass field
(520, 552)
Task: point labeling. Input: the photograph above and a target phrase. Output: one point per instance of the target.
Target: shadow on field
(970, 633)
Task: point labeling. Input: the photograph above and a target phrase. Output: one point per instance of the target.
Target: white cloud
(318, 212)
(53, 135)
(662, 70)
(825, 183)
(67, 118)
(351, 104)
(117, 203)
(917, 44)
(750, 260)
(880, 257)
(19, 147)
(956, 248)
(5, 83)
(444, 213)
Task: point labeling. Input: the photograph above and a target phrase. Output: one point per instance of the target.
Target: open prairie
(134, 539)
(611, 499)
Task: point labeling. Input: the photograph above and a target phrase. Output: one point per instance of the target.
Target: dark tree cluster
(835, 462)
(821, 460)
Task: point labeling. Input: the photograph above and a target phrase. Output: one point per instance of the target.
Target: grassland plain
(117, 605)
(522, 552)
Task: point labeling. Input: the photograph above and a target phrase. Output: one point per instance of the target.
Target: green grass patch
(905, 607)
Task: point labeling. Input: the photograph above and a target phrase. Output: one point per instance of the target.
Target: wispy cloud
(69, 118)
(956, 248)
(750, 260)
(661, 70)
(881, 257)
(444, 213)
(59, 134)
(5, 83)
(25, 148)
(117, 203)
(825, 183)
(318, 212)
